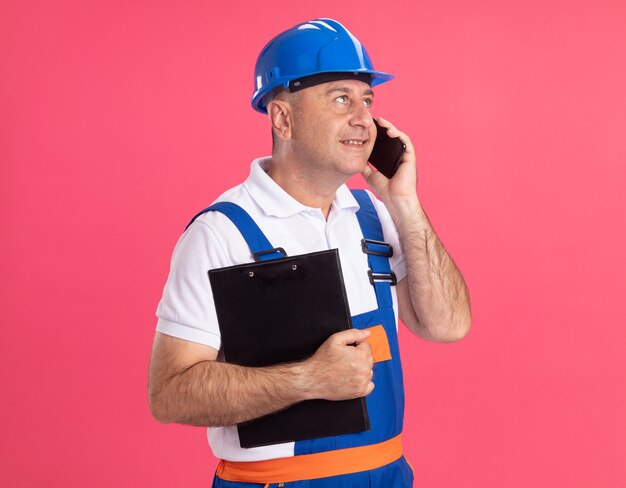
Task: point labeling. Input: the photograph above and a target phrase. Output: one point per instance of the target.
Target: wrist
(302, 385)
(407, 213)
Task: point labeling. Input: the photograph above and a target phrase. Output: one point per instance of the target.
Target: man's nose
(361, 116)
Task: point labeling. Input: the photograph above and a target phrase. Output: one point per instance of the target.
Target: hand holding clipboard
(282, 311)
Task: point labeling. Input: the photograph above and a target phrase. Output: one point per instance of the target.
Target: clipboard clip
(258, 256)
(377, 248)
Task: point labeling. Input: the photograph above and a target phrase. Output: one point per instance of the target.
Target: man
(315, 82)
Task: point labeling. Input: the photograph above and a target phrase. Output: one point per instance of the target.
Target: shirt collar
(274, 201)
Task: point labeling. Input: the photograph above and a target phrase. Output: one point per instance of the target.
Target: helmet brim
(312, 79)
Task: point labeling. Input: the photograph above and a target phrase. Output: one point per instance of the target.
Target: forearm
(212, 393)
(187, 385)
(437, 292)
(433, 298)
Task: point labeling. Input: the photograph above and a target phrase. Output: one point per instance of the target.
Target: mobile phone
(387, 152)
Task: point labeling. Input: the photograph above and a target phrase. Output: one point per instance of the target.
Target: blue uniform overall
(385, 405)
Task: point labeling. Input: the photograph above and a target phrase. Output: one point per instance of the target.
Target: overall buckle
(386, 252)
(279, 250)
(390, 277)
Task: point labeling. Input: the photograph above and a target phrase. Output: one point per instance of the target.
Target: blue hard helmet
(321, 47)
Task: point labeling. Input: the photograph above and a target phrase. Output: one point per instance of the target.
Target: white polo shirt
(187, 310)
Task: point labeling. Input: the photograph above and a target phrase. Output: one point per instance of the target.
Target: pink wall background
(119, 120)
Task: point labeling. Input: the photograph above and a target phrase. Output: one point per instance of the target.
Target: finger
(385, 123)
(365, 346)
(374, 178)
(367, 171)
(392, 130)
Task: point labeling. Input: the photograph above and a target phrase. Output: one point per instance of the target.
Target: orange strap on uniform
(312, 466)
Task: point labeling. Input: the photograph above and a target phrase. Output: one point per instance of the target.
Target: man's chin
(358, 166)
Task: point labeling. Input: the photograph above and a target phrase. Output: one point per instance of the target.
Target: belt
(313, 466)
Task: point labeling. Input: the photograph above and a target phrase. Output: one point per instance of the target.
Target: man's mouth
(353, 142)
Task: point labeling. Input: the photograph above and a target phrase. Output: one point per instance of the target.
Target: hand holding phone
(387, 152)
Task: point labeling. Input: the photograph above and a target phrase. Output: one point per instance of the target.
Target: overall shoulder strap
(260, 246)
(368, 217)
(378, 252)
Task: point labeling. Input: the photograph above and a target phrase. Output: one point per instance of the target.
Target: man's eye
(368, 102)
(342, 99)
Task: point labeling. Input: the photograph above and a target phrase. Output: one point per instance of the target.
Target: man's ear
(280, 114)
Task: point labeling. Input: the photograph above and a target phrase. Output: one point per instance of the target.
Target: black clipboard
(281, 311)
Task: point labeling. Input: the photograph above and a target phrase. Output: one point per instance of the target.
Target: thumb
(351, 336)
(374, 178)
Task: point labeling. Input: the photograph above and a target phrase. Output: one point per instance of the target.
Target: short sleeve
(186, 309)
